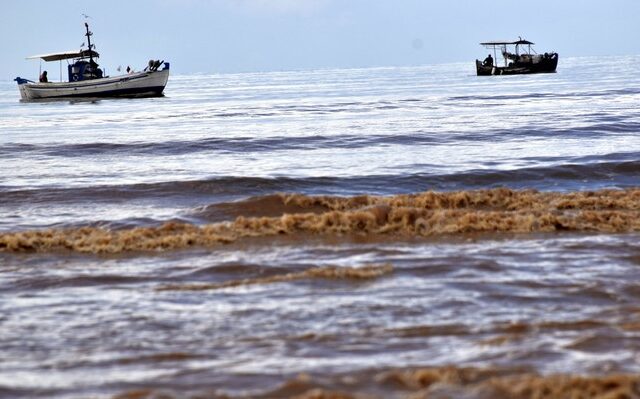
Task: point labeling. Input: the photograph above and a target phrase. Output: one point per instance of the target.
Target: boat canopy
(502, 43)
(65, 55)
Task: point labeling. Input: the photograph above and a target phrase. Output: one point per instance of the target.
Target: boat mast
(88, 34)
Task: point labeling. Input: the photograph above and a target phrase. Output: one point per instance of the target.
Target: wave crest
(422, 215)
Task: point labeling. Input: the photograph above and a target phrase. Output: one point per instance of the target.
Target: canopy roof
(502, 43)
(65, 55)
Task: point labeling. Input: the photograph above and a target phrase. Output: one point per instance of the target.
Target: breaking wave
(411, 215)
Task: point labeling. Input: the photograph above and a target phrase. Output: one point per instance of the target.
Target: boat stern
(483, 70)
(158, 79)
(165, 72)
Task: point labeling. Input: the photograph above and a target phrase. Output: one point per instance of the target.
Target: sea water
(386, 231)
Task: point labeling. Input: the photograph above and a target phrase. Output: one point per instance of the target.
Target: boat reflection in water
(87, 80)
(515, 62)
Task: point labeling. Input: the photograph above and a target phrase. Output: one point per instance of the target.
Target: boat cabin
(84, 70)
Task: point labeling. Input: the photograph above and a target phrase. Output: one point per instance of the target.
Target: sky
(227, 36)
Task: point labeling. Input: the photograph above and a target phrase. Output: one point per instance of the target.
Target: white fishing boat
(86, 79)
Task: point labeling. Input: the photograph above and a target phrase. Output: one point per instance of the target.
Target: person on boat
(43, 77)
(93, 70)
(97, 72)
(488, 61)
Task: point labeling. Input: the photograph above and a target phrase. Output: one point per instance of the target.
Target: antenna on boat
(89, 34)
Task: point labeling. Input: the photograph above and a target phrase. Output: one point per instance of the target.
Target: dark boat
(519, 58)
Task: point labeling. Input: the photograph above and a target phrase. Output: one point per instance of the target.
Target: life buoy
(74, 77)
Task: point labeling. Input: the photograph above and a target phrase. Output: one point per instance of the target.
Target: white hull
(138, 84)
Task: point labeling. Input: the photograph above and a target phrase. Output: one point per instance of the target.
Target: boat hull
(139, 84)
(545, 65)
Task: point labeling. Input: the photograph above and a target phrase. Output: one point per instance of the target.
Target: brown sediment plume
(490, 384)
(443, 382)
(422, 215)
(326, 272)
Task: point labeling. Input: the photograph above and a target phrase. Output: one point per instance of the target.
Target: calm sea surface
(269, 235)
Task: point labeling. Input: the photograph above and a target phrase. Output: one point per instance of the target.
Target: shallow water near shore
(386, 232)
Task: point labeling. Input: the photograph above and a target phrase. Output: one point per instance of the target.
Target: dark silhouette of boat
(519, 58)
